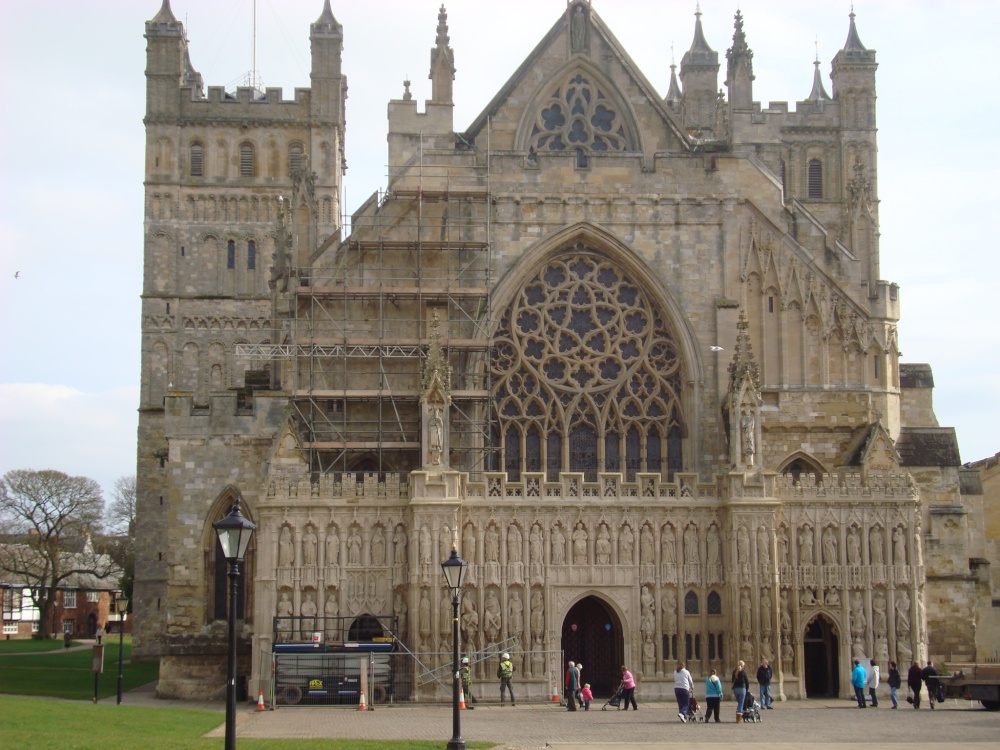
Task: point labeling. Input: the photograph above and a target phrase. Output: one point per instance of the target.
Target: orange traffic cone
(555, 693)
(362, 706)
(260, 701)
(461, 697)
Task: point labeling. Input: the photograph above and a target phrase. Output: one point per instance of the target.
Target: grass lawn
(37, 722)
(61, 674)
(24, 646)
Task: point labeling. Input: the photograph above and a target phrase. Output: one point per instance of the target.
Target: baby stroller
(693, 714)
(751, 709)
(615, 699)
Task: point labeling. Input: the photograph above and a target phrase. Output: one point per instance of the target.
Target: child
(587, 696)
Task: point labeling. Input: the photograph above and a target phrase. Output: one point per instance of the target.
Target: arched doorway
(592, 635)
(822, 658)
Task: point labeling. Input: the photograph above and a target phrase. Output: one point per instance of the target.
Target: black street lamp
(234, 535)
(454, 572)
(121, 604)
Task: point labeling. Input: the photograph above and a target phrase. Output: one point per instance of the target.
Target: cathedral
(631, 352)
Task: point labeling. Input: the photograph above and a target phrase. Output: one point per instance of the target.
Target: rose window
(586, 375)
(578, 116)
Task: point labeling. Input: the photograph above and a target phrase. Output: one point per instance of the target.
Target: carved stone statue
(426, 550)
(714, 546)
(765, 611)
(535, 545)
(806, 546)
(742, 545)
(558, 546)
(899, 546)
(829, 547)
(445, 610)
(332, 549)
(879, 619)
(470, 619)
(858, 619)
(853, 547)
(875, 546)
(308, 612)
(309, 547)
(284, 605)
(578, 30)
(435, 436)
(515, 615)
(399, 610)
(354, 548)
(469, 543)
(747, 430)
(332, 606)
(832, 598)
(785, 614)
(580, 544)
(603, 546)
(691, 556)
(670, 612)
(646, 546)
(492, 544)
(626, 545)
(399, 545)
(424, 614)
(667, 551)
(537, 615)
(808, 598)
(902, 613)
(378, 547)
(514, 544)
(491, 625)
(763, 547)
(286, 551)
(745, 617)
(782, 546)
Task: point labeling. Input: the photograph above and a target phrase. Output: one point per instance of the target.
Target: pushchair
(615, 699)
(693, 713)
(751, 709)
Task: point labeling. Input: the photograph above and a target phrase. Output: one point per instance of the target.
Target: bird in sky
(17, 274)
(715, 348)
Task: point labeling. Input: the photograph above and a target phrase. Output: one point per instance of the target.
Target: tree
(47, 519)
(120, 525)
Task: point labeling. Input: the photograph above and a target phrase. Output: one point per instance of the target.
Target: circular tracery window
(586, 374)
(578, 115)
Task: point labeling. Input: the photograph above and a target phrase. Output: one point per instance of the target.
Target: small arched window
(197, 160)
(246, 160)
(251, 255)
(714, 603)
(294, 159)
(690, 603)
(815, 178)
(231, 254)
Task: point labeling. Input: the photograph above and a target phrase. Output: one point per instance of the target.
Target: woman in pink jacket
(628, 689)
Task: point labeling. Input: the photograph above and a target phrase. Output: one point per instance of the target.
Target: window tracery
(585, 368)
(579, 115)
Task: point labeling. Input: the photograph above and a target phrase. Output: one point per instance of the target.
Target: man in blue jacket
(858, 679)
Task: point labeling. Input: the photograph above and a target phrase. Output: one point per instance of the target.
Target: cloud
(41, 427)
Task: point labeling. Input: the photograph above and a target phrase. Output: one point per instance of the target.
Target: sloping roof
(915, 375)
(928, 446)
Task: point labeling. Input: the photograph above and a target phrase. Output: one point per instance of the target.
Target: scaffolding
(352, 349)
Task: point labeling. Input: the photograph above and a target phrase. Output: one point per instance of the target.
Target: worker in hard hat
(506, 672)
(467, 683)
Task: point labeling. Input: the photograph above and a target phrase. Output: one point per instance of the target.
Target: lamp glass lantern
(454, 570)
(234, 534)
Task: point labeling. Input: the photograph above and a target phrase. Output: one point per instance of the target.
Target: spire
(326, 22)
(818, 93)
(700, 53)
(740, 52)
(165, 15)
(853, 43)
(739, 70)
(743, 366)
(442, 62)
(674, 92)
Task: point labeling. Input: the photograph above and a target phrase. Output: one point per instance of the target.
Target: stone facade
(633, 355)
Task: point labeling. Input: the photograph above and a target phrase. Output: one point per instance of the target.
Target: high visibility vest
(506, 668)
(466, 674)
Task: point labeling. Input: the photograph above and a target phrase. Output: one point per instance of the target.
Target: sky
(71, 170)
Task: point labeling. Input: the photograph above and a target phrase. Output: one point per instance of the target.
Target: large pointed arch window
(583, 360)
(216, 562)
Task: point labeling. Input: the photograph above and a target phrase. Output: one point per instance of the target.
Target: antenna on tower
(253, 52)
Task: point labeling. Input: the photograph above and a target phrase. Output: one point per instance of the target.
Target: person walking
(914, 678)
(764, 675)
(579, 685)
(713, 696)
(466, 674)
(683, 690)
(588, 696)
(572, 683)
(895, 682)
(858, 679)
(741, 683)
(929, 675)
(506, 673)
(628, 690)
(872, 683)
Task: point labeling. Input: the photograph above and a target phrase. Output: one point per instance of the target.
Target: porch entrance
(592, 635)
(822, 659)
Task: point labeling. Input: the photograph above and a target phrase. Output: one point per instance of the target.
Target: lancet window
(587, 376)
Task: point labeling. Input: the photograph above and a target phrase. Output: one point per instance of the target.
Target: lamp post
(121, 604)
(234, 533)
(454, 572)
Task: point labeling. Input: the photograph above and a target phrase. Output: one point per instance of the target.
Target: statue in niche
(857, 612)
(286, 552)
(666, 545)
(535, 545)
(515, 615)
(787, 655)
(578, 30)
(646, 600)
(332, 549)
(782, 546)
(626, 546)
(742, 545)
(765, 611)
(537, 615)
(378, 547)
(285, 614)
(647, 623)
(879, 619)
(670, 611)
(899, 546)
(445, 610)
(745, 616)
(514, 544)
(445, 539)
(603, 546)
(399, 610)
(558, 546)
(646, 546)
(648, 654)
(354, 548)
(691, 545)
(903, 651)
(808, 598)
(492, 544)
(829, 547)
(902, 613)
(424, 614)
(875, 546)
(435, 434)
(806, 546)
(399, 545)
(491, 625)
(426, 550)
(765, 650)
(309, 547)
(332, 607)
(832, 598)
(469, 544)
(470, 619)
(763, 547)
(747, 429)
(918, 555)
(785, 614)
(714, 546)
(853, 547)
(308, 612)
(580, 544)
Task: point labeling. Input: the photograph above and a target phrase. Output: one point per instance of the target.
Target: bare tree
(120, 525)
(47, 519)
